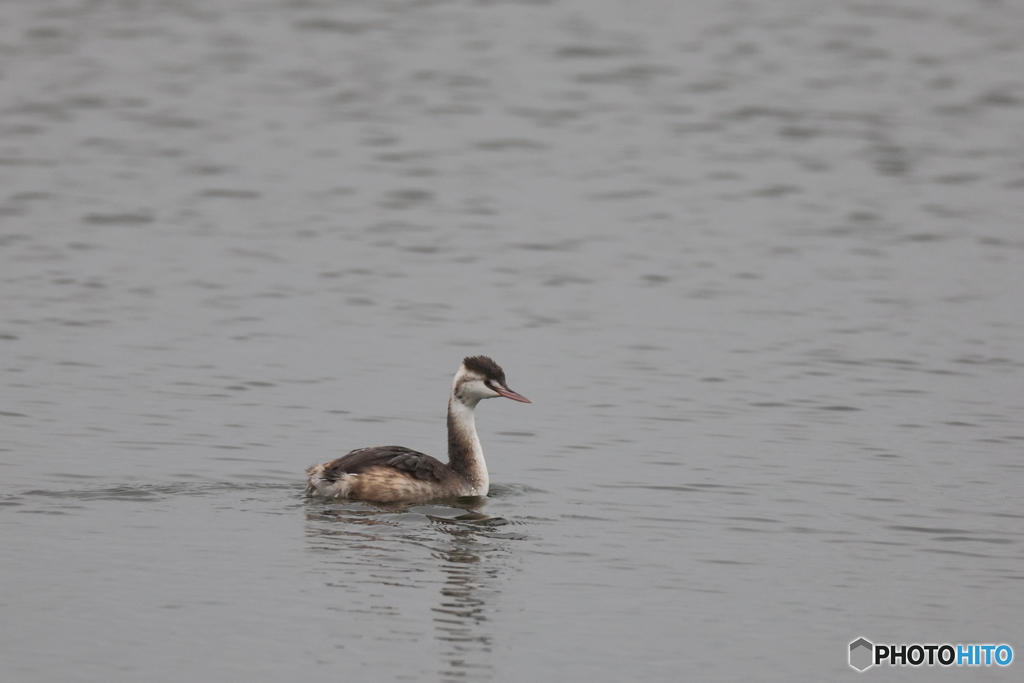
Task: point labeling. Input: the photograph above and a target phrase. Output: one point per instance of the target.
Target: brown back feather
(419, 465)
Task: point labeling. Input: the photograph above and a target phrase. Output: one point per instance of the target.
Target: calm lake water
(759, 266)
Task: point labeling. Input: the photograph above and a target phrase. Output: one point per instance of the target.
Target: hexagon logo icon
(861, 654)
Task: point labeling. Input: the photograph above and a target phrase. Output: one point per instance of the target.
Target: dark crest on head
(485, 367)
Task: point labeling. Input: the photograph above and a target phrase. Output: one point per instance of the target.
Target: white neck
(465, 455)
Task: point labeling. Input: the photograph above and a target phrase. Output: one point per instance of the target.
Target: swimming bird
(393, 474)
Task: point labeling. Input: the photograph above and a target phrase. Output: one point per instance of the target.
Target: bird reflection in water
(456, 549)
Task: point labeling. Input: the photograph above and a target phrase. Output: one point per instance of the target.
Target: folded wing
(419, 465)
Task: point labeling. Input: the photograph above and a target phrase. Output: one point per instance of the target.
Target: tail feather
(318, 484)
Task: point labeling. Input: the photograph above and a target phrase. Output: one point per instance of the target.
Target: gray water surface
(759, 266)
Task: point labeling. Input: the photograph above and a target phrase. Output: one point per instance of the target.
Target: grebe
(391, 474)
